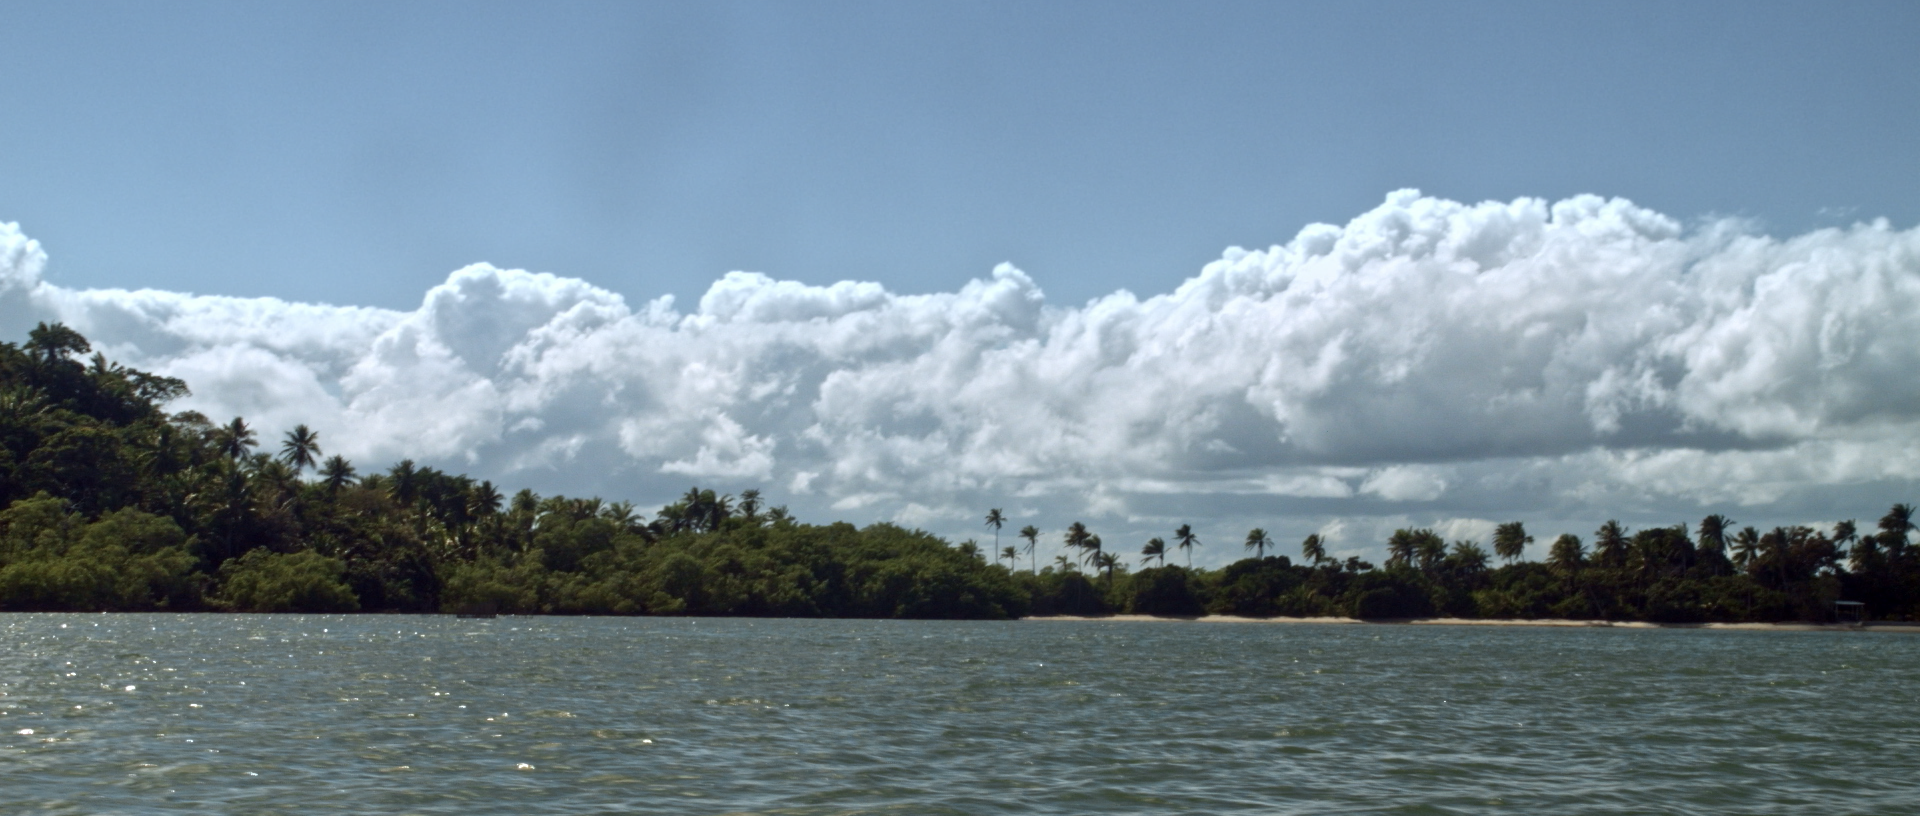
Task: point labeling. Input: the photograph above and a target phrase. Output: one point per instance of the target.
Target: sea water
(107, 714)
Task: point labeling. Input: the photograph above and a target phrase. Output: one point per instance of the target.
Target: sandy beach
(1892, 626)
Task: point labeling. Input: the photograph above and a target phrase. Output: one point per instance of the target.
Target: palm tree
(1076, 536)
(1106, 561)
(1610, 544)
(47, 343)
(337, 473)
(300, 448)
(1013, 557)
(750, 504)
(995, 520)
(1894, 528)
(1094, 553)
(236, 439)
(1865, 556)
(1845, 532)
(1032, 535)
(1775, 548)
(1510, 541)
(1713, 533)
(1746, 547)
(1400, 547)
(1187, 541)
(1313, 549)
(1156, 549)
(404, 481)
(283, 480)
(1567, 554)
(1430, 548)
(1467, 558)
(621, 514)
(719, 509)
(1257, 541)
(484, 501)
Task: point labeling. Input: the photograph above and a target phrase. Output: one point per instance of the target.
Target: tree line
(113, 503)
(1662, 574)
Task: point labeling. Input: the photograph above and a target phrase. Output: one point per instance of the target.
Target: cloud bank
(1429, 360)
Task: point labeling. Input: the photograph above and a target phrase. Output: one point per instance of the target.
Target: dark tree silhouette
(1510, 541)
(1155, 549)
(1258, 541)
(1187, 541)
(1313, 550)
(301, 447)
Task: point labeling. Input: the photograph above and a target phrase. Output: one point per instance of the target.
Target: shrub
(306, 581)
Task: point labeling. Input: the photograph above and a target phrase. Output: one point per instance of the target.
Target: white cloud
(1405, 483)
(1581, 358)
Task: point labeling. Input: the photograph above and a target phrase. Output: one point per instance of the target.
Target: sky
(1315, 267)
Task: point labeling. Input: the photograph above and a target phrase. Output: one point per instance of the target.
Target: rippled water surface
(395, 714)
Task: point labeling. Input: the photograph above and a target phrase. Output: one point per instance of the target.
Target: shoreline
(1798, 626)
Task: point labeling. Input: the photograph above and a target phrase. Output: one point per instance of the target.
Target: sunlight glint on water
(396, 714)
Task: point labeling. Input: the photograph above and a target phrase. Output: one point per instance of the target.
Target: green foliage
(1164, 591)
(1253, 587)
(52, 559)
(1065, 592)
(262, 581)
(1391, 593)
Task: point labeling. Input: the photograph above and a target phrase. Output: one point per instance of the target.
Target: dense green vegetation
(111, 503)
(1660, 574)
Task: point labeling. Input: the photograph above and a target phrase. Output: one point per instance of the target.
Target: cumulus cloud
(1573, 359)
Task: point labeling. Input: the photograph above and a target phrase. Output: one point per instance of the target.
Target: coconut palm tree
(336, 473)
(1093, 550)
(1313, 549)
(236, 439)
(404, 481)
(1746, 547)
(1845, 533)
(1032, 535)
(750, 504)
(622, 514)
(1567, 554)
(1400, 547)
(1610, 544)
(1106, 561)
(47, 343)
(1013, 557)
(1776, 547)
(1430, 548)
(1467, 558)
(1894, 529)
(1156, 549)
(1713, 533)
(996, 520)
(1075, 537)
(1257, 541)
(1510, 541)
(1187, 541)
(300, 448)
(484, 501)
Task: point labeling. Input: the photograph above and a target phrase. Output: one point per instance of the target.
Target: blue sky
(1663, 261)
(355, 153)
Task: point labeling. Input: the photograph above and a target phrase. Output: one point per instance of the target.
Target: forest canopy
(112, 503)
